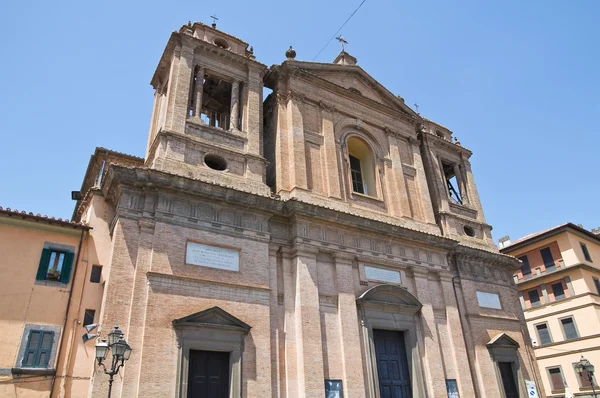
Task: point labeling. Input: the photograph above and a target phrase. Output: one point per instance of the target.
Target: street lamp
(585, 365)
(121, 351)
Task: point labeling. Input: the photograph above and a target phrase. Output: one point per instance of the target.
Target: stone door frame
(210, 330)
(390, 307)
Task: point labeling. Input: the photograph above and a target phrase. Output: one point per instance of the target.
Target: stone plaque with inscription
(382, 274)
(212, 256)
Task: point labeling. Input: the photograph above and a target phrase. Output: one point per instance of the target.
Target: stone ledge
(33, 371)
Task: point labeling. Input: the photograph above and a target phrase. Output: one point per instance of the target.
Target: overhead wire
(337, 31)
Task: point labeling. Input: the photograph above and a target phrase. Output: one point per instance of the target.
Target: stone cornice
(118, 177)
(443, 144)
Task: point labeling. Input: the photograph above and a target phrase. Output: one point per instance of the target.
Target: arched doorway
(389, 318)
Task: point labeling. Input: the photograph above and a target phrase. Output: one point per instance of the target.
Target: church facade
(323, 241)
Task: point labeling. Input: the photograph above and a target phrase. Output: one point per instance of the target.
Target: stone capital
(343, 258)
(419, 272)
(304, 251)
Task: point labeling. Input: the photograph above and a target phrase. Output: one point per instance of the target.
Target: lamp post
(585, 365)
(120, 353)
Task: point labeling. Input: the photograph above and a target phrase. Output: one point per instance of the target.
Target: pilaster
(421, 178)
(433, 361)
(308, 325)
(398, 196)
(354, 379)
(137, 310)
(460, 359)
(179, 88)
(332, 170)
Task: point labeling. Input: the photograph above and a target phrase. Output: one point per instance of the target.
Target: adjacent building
(559, 289)
(324, 240)
(50, 288)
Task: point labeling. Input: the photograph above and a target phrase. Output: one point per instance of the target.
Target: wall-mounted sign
(382, 274)
(531, 389)
(333, 389)
(212, 256)
(489, 300)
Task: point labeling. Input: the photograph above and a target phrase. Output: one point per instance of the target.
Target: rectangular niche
(219, 257)
(489, 300)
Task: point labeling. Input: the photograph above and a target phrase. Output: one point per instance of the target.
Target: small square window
(543, 334)
(96, 274)
(568, 325)
(585, 251)
(534, 298)
(55, 265)
(559, 291)
(556, 379)
(88, 317)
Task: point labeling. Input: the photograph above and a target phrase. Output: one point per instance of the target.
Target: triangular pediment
(213, 317)
(356, 81)
(502, 340)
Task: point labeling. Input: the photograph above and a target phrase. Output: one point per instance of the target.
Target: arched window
(362, 167)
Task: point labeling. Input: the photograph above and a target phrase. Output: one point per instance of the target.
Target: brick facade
(310, 245)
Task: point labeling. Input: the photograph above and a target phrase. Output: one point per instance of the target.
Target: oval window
(215, 162)
(221, 43)
(469, 231)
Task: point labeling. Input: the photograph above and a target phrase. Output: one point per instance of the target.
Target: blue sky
(516, 81)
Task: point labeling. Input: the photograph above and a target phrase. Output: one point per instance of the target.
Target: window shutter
(584, 379)
(65, 274)
(45, 349)
(29, 358)
(557, 379)
(43, 267)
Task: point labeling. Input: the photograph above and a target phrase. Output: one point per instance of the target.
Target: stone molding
(121, 178)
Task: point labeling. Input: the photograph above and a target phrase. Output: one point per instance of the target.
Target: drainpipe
(62, 338)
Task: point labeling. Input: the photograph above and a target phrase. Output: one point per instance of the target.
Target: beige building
(559, 289)
(324, 240)
(50, 288)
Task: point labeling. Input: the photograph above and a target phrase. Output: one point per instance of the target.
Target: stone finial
(290, 53)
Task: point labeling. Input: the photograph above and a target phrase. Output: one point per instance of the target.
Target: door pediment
(390, 298)
(502, 340)
(213, 317)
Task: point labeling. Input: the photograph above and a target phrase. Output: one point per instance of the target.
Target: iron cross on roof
(215, 19)
(341, 39)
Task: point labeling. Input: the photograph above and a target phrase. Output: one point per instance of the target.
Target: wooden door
(392, 364)
(508, 380)
(208, 375)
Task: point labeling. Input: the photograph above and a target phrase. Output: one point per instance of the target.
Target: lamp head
(114, 335)
(101, 350)
(119, 348)
(127, 353)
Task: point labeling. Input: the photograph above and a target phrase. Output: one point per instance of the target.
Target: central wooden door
(208, 374)
(392, 364)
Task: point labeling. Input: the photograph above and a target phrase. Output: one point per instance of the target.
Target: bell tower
(207, 117)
